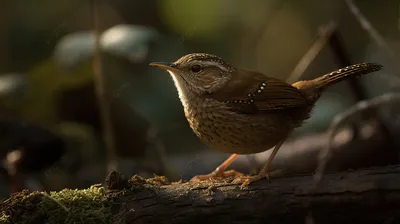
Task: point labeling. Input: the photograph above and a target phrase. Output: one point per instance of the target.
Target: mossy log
(363, 196)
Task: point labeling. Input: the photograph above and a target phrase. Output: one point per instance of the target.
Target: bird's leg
(245, 180)
(220, 170)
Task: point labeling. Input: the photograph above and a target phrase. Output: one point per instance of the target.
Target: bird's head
(198, 74)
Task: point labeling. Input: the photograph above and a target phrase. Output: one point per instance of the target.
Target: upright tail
(344, 73)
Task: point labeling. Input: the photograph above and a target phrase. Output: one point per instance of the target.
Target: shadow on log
(363, 196)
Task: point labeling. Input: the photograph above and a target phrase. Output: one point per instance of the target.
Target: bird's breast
(225, 130)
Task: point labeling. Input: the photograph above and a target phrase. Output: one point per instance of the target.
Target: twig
(161, 156)
(322, 38)
(367, 26)
(343, 58)
(273, 7)
(343, 117)
(101, 93)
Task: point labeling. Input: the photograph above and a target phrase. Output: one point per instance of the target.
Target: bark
(364, 196)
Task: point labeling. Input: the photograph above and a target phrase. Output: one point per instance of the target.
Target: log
(362, 196)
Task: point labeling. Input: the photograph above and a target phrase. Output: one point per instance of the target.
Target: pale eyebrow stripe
(216, 64)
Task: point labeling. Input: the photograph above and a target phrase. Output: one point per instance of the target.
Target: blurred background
(72, 109)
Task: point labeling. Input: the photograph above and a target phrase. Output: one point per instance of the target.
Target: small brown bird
(239, 111)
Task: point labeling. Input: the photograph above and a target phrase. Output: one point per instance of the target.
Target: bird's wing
(252, 92)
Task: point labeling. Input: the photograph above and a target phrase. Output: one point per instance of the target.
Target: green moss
(155, 181)
(4, 219)
(92, 205)
(66, 206)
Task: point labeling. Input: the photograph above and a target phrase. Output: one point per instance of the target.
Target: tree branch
(364, 196)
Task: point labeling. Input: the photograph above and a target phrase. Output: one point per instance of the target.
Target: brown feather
(245, 93)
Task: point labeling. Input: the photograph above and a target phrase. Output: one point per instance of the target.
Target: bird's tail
(344, 73)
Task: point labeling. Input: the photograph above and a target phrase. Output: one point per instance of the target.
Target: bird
(242, 111)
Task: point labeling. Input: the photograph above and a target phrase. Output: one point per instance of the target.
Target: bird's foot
(216, 175)
(246, 180)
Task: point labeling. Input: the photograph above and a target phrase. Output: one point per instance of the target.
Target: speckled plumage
(225, 130)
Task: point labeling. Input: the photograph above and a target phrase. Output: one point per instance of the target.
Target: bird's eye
(195, 68)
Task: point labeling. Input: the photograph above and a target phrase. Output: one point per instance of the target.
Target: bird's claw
(246, 180)
(216, 175)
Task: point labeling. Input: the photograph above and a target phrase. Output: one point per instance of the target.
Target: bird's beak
(164, 65)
